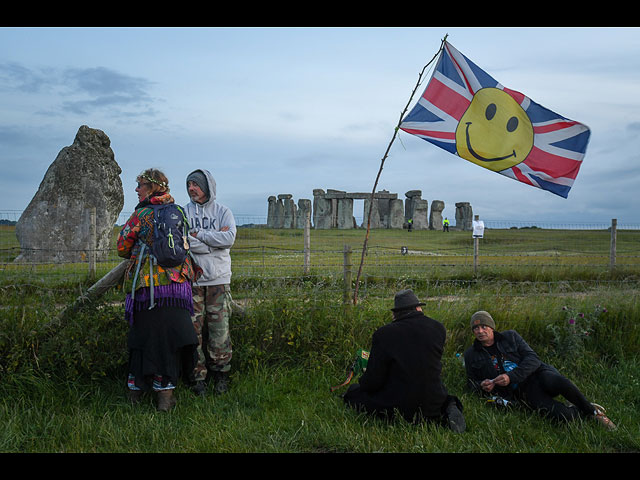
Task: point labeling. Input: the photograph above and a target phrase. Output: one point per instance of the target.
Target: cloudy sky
(287, 110)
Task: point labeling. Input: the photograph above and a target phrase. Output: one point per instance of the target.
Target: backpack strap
(151, 302)
(144, 248)
(135, 277)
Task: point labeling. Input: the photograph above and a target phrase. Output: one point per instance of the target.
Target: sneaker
(602, 418)
(455, 418)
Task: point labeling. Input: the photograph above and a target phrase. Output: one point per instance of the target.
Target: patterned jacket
(140, 226)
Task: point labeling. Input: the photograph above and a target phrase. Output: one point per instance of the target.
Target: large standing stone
(55, 226)
(289, 209)
(464, 216)
(272, 211)
(345, 214)
(420, 212)
(409, 204)
(304, 212)
(322, 212)
(375, 214)
(435, 217)
(396, 213)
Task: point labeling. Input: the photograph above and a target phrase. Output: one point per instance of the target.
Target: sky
(288, 110)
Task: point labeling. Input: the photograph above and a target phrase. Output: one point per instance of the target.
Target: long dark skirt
(162, 346)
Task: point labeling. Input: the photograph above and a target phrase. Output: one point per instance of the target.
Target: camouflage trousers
(212, 310)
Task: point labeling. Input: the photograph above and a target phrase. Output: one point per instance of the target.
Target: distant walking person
(213, 233)
(503, 364)
(445, 224)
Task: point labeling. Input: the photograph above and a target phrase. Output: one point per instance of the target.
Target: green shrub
(90, 342)
(20, 333)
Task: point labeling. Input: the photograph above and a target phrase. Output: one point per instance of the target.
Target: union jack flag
(468, 113)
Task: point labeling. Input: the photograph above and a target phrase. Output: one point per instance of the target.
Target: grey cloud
(97, 87)
(634, 127)
(18, 77)
(101, 81)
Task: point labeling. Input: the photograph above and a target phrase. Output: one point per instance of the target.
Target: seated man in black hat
(404, 370)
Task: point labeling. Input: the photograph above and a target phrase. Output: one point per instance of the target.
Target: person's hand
(224, 229)
(502, 380)
(487, 385)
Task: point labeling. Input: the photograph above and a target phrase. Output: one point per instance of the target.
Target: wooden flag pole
(384, 157)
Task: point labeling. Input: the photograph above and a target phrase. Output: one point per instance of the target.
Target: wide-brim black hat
(405, 299)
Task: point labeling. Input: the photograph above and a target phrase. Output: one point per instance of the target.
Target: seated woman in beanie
(404, 369)
(503, 364)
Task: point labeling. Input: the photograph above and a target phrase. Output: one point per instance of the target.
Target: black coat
(404, 369)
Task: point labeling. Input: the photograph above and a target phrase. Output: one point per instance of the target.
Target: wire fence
(508, 249)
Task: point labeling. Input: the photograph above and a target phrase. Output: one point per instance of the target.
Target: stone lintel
(361, 196)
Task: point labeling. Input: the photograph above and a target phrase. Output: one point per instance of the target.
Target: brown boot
(135, 396)
(166, 400)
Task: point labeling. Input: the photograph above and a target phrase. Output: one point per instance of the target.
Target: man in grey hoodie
(212, 234)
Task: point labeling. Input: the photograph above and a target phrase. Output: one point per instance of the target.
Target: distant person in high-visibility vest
(445, 224)
(410, 222)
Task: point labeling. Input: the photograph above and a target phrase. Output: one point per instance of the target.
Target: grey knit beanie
(199, 178)
(482, 318)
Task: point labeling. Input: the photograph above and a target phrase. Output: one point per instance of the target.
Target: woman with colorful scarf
(162, 341)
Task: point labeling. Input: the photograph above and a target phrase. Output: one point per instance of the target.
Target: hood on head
(210, 181)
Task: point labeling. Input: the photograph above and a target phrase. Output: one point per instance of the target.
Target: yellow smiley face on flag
(494, 132)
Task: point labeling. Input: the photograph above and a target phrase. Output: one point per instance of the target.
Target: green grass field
(62, 381)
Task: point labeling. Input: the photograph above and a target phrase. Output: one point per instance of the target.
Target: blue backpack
(170, 245)
(170, 228)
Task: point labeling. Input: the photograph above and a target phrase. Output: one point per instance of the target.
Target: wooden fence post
(93, 243)
(612, 252)
(347, 274)
(476, 246)
(307, 243)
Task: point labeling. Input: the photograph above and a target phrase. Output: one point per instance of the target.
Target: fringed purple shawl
(172, 295)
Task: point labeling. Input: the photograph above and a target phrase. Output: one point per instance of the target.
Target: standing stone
(384, 209)
(272, 211)
(435, 217)
(409, 205)
(345, 213)
(420, 211)
(55, 226)
(289, 210)
(396, 213)
(375, 214)
(304, 212)
(278, 214)
(464, 216)
(322, 218)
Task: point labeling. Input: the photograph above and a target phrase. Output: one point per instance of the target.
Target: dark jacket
(404, 369)
(480, 366)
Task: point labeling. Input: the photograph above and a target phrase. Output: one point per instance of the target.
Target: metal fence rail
(266, 253)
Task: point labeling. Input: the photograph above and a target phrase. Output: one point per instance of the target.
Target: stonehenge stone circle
(334, 209)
